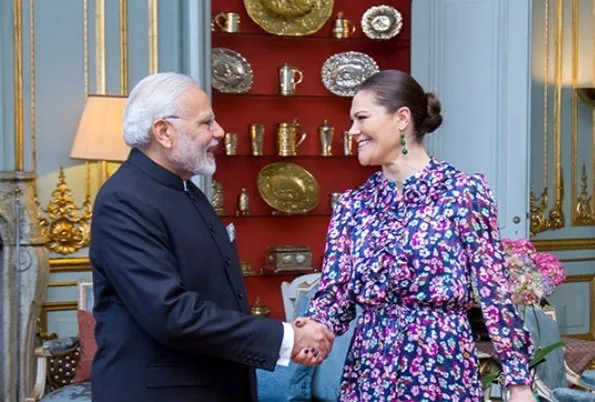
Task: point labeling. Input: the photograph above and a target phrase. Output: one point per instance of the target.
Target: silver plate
(231, 72)
(343, 72)
(382, 22)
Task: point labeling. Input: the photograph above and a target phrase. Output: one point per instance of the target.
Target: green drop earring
(403, 150)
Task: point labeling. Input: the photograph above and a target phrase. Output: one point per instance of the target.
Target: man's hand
(312, 343)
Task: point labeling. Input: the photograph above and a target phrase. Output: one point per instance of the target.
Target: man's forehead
(196, 101)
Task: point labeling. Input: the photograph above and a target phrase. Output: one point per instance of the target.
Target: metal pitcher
(289, 78)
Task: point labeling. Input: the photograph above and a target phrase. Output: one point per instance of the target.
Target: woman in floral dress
(408, 247)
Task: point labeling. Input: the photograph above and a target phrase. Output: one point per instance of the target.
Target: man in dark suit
(172, 319)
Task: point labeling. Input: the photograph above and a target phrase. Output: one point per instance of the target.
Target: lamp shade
(99, 135)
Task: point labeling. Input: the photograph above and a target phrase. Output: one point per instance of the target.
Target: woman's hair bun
(433, 117)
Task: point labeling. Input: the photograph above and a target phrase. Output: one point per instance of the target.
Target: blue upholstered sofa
(301, 383)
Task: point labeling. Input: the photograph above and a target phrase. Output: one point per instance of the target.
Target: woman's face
(375, 131)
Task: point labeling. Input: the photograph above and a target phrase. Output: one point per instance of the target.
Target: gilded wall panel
(563, 141)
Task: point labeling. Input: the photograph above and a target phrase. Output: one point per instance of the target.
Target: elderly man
(172, 318)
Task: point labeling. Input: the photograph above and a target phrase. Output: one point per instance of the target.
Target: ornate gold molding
(537, 209)
(100, 46)
(81, 264)
(51, 307)
(153, 37)
(17, 30)
(564, 244)
(66, 227)
(86, 45)
(593, 112)
(582, 213)
(540, 220)
(584, 259)
(63, 284)
(124, 47)
(590, 279)
(556, 214)
(32, 111)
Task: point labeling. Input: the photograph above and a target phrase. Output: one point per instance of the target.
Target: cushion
(300, 386)
(70, 393)
(322, 382)
(544, 332)
(86, 323)
(273, 386)
(327, 377)
(588, 378)
(572, 395)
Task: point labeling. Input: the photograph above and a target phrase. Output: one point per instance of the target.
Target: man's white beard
(192, 157)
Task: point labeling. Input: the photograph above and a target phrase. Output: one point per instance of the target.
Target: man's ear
(403, 116)
(163, 133)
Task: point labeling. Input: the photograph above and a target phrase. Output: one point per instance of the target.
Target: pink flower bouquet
(532, 275)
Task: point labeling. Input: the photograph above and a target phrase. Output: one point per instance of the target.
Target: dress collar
(425, 185)
(156, 171)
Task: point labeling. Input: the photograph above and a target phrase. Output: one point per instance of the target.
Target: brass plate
(288, 187)
(290, 18)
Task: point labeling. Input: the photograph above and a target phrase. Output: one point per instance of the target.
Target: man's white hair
(154, 97)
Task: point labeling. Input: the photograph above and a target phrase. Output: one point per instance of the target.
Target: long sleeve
(512, 342)
(333, 304)
(132, 249)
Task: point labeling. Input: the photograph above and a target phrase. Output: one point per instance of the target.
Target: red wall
(312, 104)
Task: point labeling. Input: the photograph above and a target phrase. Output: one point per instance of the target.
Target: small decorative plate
(231, 72)
(289, 17)
(382, 22)
(343, 72)
(288, 187)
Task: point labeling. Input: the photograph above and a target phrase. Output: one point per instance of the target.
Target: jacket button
(212, 227)
(240, 296)
(227, 262)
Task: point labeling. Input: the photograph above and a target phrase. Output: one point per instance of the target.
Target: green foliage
(538, 358)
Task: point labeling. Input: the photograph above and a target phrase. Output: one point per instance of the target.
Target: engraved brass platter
(289, 17)
(288, 187)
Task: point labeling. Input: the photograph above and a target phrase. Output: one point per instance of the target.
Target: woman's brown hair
(394, 89)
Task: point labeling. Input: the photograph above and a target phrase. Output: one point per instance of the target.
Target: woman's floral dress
(411, 261)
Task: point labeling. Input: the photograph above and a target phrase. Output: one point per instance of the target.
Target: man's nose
(218, 131)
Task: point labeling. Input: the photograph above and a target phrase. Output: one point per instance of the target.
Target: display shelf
(281, 158)
(312, 104)
(277, 97)
(266, 273)
(277, 214)
(397, 41)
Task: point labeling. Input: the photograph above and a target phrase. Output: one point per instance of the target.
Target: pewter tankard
(289, 78)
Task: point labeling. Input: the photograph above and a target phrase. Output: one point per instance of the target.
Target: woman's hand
(521, 393)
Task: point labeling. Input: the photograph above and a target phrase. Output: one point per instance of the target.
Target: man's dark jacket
(173, 323)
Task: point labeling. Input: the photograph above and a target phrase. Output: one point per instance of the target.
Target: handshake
(312, 342)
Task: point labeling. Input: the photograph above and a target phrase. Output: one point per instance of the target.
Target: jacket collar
(156, 171)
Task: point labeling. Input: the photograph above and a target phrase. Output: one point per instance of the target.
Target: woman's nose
(353, 130)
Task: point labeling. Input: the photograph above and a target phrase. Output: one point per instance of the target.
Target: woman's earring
(403, 150)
